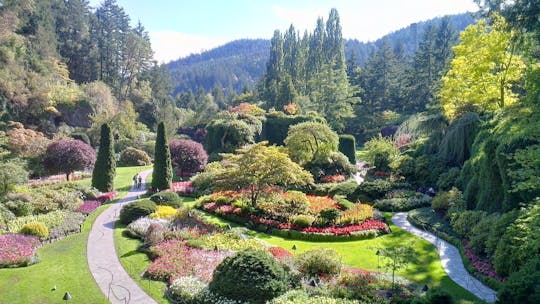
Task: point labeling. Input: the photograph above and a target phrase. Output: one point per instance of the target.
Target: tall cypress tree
(105, 167)
(162, 174)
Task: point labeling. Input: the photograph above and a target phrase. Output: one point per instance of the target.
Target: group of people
(137, 180)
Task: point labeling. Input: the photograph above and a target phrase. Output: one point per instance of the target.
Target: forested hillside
(240, 64)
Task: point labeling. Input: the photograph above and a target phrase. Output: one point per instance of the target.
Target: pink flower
(88, 207)
(17, 249)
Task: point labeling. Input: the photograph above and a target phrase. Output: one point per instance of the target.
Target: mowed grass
(427, 268)
(135, 262)
(63, 263)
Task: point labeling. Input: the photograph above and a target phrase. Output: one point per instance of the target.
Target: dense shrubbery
(135, 210)
(253, 276)
(35, 228)
(319, 262)
(166, 198)
(522, 286)
(134, 157)
(383, 154)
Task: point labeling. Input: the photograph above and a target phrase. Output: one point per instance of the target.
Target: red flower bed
(175, 259)
(88, 207)
(279, 253)
(183, 187)
(17, 249)
(105, 197)
(333, 178)
(481, 265)
(347, 230)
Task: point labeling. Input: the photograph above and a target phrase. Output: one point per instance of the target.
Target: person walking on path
(117, 286)
(139, 182)
(136, 180)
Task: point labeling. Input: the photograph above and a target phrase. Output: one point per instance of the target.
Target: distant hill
(242, 63)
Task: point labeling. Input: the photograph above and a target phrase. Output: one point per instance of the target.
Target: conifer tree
(162, 174)
(105, 167)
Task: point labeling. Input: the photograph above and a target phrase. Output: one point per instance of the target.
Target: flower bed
(17, 249)
(185, 188)
(106, 197)
(175, 259)
(481, 265)
(88, 207)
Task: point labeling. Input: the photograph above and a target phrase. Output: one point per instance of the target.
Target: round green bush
(134, 157)
(303, 220)
(251, 276)
(320, 261)
(166, 198)
(35, 228)
(135, 210)
(329, 215)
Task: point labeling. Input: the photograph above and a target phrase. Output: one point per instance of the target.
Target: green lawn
(135, 263)
(63, 263)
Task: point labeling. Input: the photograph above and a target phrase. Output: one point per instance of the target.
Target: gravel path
(450, 260)
(103, 261)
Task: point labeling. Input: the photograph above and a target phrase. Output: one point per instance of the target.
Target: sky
(179, 28)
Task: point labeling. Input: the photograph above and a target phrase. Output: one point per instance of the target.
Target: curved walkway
(103, 261)
(450, 260)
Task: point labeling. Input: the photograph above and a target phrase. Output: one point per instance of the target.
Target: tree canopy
(67, 156)
(307, 141)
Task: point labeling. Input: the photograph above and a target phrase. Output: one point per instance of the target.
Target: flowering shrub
(17, 249)
(183, 187)
(355, 215)
(109, 196)
(226, 241)
(337, 178)
(163, 212)
(88, 207)
(318, 203)
(185, 289)
(481, 265)
(51, 220)
(279, 253)
(175, 259)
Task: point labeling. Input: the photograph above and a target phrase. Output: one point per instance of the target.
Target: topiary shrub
(347, 146)
(252, 276)
(134, 157)
(167, 198)
(35, 228)
(319, 262)
(135, 210)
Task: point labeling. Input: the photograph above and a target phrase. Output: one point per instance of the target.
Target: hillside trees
(484, 70)
(313, 67)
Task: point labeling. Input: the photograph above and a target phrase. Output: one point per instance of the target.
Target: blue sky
(181, 27)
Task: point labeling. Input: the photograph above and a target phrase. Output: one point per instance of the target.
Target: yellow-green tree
(484, 69)
(257, 166)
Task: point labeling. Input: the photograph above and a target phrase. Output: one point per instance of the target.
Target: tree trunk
(67, 176)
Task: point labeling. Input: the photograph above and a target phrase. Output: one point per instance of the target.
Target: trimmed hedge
(166, 198)
(347, 146)
(136, 210)
(252, 276)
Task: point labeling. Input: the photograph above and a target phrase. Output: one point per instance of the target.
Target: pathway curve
(450, 260)
(103, 261)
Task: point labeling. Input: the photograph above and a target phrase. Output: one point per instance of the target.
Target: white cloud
(171, 45)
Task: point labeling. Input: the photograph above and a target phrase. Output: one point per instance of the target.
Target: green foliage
(481, 231)
(448, 179)
(204, 181)
(425, 131)
(403, 203)
(162, 173)
(303, 220)
(50, 220)
(105, 166)
(253, 276)
(319, 262)
(347, 146)
(371, 190)
(382, 153)
(484, 69)
(35, 228)
(438, 295)
(134, 157)
(446, 200)
(166, 198)
(520, 243)
(276, 126)
(463, 222)
(268, 166)
(135, 210)
(11, 173)
(332, 164)
(522, 286)
(455, 147)
(308, 141)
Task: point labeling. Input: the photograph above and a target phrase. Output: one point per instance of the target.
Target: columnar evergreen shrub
(105, 167)
(136, 210)
(252, 276)
(347, 146)
(162, 174)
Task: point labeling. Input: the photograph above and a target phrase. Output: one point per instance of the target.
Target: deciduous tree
(188, 155)
(67, 156)
(309, 140)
